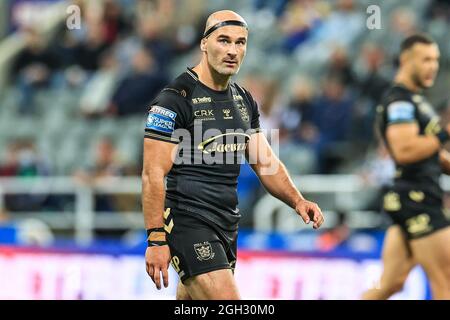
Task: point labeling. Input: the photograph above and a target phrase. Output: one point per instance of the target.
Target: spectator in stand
(403, 22)
(439, 9)
(152, 36)
(298, 158)
(299, 109)
(107, 164)
(113, 21)
(88, 52)
(372, 82)
(277, 7)
(135, 91)
(99, 89)
(23, 160)
(328, 130)
(299, 21)
(33, 69)
(339, 67)
(345, 15)
(10, 164)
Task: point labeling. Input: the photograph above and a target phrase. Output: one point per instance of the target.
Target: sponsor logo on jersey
(433, 127)
(163, 111)
(211, 145)
(161, 119)
(227, 114)
(400, 111)
(160, 123)
(201, 100)
(225, 147)
(392, 201)
(243, 112)
(204, 114)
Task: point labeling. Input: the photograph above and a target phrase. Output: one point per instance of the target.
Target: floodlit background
(73, 97)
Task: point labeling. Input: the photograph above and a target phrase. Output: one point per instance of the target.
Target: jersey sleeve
(254, 122)
(166, 114)
(400, 112)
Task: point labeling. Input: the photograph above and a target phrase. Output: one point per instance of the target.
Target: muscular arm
(271, 171)
(407, 145)
(157, 164)
(276, 180)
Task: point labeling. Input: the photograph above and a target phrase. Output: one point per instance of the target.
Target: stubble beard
(418, 81)
(222, 70)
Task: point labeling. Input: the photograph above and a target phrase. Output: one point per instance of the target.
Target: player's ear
(203, 45)
(404, 56)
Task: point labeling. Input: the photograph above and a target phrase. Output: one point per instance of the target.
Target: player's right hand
(447, 128)
(309, 211)
(157, 261)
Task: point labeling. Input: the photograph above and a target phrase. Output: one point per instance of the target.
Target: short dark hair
(410, 41)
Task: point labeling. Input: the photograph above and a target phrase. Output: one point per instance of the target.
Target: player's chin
(229, 71)
(427, 83)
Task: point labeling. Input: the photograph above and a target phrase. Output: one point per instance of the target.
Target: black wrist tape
(151, 243)
(156, 243)
(443, 136)
(161, 229)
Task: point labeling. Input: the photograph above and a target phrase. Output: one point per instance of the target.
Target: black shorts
(198, 246)
(418, 212)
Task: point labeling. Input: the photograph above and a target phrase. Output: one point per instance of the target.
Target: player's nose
(232, 50)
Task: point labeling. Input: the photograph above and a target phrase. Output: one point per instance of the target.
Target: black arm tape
(443, 136)
(160, 229)
(223, 24)
(155, 243)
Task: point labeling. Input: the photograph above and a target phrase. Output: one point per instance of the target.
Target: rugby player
(411, 130)
(193, 222)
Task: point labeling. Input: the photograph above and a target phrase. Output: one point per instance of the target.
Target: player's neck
(407, 81)
(211, 78)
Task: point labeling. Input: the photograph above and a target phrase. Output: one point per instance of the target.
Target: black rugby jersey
(212, 129)
(400, 105)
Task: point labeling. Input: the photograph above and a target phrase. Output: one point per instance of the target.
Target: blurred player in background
(194, 223)
(411, 130)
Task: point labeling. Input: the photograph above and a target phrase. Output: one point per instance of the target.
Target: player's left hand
(309, 211)
(157, 261)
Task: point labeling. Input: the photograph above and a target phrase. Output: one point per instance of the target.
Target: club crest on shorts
(204, 251)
